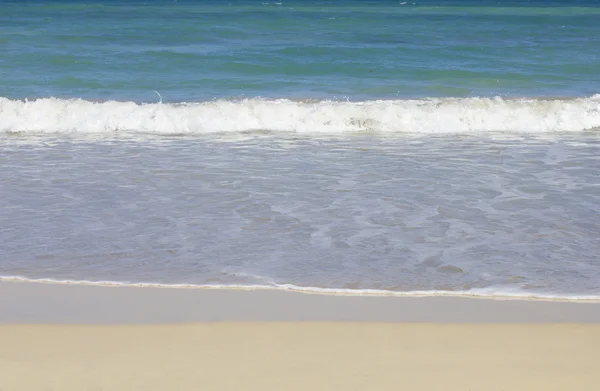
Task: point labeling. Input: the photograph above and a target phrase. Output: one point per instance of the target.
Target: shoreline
(44, 303)
(471, 294)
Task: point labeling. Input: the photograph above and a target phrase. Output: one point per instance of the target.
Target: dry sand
(349, 343)
(300, 356)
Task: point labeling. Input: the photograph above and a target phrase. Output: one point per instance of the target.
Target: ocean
(360, 147)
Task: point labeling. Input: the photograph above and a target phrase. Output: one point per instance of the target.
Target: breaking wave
(428, 116)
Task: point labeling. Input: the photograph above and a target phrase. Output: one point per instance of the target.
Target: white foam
(448, 115)
(490, 293)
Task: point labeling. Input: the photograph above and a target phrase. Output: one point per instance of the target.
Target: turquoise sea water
(433, 146)
(201, 50)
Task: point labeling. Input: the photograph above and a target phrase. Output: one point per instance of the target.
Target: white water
(451, 115)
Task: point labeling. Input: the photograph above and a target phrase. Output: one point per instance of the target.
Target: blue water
(357, 50)
(421, 146)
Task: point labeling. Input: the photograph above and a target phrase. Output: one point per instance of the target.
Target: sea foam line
(443, 115)
(489, 294)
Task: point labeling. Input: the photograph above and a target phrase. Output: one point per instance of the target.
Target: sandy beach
(52, 339)
(300, 356)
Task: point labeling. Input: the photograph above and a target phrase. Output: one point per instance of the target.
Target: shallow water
(501, 214)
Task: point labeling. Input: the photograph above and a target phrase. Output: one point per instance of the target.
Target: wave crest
(444, 115)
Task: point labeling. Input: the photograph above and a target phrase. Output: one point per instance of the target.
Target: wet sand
(85, 304)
